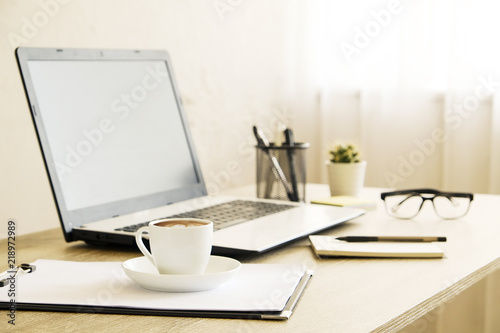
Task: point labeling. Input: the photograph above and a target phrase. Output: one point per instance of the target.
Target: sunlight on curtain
(415, 83)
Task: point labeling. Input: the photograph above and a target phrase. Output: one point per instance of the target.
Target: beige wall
(231, 58)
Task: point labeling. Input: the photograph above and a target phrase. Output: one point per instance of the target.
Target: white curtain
(415, 83)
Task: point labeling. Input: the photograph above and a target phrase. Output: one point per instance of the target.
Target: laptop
(118, 153)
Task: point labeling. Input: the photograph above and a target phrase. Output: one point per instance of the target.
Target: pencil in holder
(281, 172)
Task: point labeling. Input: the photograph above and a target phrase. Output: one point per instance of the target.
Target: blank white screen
(114, 129)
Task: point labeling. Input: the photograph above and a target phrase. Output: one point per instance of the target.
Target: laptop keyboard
(225, 214)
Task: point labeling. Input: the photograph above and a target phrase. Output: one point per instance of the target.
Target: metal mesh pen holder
(281, 172)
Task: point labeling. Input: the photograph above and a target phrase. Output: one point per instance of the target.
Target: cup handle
(140, 243)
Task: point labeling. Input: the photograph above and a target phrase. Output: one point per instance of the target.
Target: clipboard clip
(21, 269)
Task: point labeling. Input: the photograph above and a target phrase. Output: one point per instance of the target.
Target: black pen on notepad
(391, 239)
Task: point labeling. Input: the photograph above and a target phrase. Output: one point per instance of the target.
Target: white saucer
(144, 273)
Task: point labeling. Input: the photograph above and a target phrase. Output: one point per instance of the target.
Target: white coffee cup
(178, 246)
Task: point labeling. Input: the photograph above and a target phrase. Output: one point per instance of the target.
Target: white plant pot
(346, 178)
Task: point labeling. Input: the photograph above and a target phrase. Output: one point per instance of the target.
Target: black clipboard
(77, 307)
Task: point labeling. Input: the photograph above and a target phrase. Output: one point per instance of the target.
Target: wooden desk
(345, 295)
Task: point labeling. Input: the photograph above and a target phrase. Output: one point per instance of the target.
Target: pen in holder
(281, 171)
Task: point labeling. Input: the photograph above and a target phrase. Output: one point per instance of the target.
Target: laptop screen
(112, 131)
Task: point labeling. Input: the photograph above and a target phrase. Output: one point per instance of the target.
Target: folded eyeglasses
(406, 204)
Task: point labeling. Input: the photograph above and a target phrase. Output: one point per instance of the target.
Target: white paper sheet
(256, 287)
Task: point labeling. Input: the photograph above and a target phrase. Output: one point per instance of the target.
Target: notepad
(258, 291)
(346, 201)
(329, 246)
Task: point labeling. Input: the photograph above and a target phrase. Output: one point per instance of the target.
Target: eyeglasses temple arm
(394, 208)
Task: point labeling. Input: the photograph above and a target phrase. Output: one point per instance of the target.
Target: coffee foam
(180, 224)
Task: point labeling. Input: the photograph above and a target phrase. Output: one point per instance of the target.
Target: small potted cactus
(346, 172)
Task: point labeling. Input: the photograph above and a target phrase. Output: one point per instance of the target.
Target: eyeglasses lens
(403, 206)
(451, 207)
